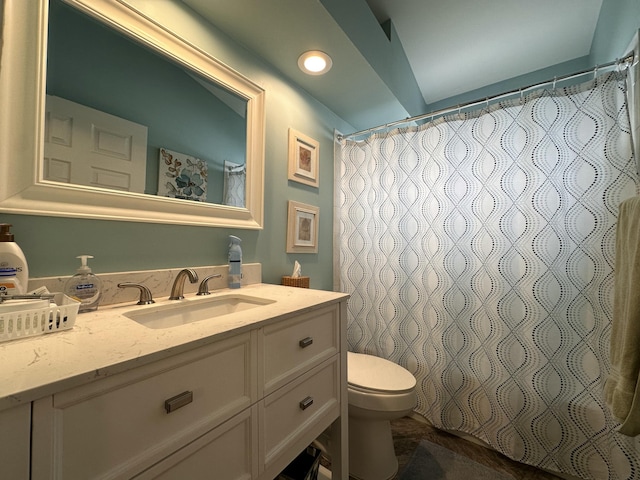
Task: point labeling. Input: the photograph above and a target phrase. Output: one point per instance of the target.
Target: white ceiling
(453, 46)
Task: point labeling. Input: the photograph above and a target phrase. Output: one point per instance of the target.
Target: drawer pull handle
(305, 342)
(306, 403)
(179, 401)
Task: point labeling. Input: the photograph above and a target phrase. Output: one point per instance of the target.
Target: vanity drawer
(299, 412)
(225, 453)
(292, 347)
(136, 425)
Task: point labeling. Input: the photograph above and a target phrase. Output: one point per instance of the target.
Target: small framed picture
(303, 159)
(302, 228)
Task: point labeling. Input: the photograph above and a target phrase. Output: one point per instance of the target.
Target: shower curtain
(478, 250)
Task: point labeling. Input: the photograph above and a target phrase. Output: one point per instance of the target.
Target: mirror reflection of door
(84, 146)
(92, 65)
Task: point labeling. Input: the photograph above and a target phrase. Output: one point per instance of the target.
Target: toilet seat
(367, 373)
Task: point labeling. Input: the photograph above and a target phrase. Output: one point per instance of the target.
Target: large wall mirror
(117, 118)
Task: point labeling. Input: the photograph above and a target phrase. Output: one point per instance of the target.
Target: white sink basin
(182, 312)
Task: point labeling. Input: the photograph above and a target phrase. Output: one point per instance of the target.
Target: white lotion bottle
(11, 257)
(235, 262)
(85, 287)
(9, 283)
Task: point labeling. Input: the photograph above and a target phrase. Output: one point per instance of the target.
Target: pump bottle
(235, 262)
(84, 286)
(12, 258)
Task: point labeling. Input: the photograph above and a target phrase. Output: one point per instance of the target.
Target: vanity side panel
(339, 445)
(15, 437)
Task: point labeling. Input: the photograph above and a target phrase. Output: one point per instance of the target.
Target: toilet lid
(378, 374)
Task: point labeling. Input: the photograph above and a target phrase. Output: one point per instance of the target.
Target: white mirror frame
(22, 97)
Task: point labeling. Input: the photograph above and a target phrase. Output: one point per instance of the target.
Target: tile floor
(408, 432)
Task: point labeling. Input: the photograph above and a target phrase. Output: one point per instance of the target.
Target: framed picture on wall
(302, 228)
(303, 159)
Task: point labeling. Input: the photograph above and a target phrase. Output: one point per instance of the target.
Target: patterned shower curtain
(478, 250)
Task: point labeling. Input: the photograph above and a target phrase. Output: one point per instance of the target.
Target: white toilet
(379, 391)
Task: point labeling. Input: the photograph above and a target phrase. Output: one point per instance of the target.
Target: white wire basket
(36, 317)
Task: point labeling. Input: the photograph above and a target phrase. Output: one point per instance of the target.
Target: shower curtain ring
(554, 83)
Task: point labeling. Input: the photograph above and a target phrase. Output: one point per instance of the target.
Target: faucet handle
(203, 289)
(145, 293)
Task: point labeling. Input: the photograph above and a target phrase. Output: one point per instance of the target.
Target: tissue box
(290, 281)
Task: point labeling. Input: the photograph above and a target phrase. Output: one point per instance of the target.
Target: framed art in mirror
(24, 187)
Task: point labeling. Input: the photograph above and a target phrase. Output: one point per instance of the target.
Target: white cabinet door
(85, 146)
(15, 434)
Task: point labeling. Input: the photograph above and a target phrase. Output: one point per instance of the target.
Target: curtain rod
(627, 60)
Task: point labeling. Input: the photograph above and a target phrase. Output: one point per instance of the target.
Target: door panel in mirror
(88, 147)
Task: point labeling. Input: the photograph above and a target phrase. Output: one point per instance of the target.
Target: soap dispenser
(84, 286)
(235, 262)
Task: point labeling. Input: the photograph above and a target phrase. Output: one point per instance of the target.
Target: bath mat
(433, 462)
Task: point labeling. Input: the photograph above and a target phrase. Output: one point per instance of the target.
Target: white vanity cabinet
(241, 407)
(121, 425)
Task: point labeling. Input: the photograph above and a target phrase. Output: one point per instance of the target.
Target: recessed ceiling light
(314, 62)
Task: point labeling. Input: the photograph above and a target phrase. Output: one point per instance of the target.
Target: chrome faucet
(177, 291)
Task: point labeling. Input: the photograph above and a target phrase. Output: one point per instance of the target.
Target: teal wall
(51, 243)
(619, 20)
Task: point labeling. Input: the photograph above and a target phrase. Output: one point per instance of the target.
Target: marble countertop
(105, 342)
